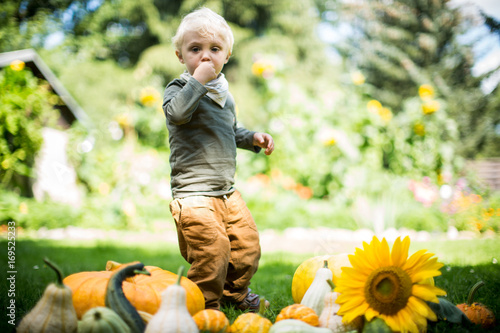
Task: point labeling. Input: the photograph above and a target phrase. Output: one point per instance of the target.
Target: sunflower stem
(472, 292)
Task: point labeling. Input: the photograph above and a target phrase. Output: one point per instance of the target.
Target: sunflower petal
(416, 259)
(371, 313)
(427, 292)
(419, 306)
(384, 254)
(356, 312)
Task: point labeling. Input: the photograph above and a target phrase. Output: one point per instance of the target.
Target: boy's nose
(205, 56)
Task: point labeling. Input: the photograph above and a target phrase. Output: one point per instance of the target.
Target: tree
(400, 45)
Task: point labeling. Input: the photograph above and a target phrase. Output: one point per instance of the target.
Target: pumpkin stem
(325, 264)
(330, 283)
(262, 306)
(112, 265)
(97, 315)
(472, 292)
(56, 269)
(144, 271)
(180, 272)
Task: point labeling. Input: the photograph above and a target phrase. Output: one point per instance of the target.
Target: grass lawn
(466, 262)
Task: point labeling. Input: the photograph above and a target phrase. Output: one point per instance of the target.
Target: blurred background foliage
(372, 126)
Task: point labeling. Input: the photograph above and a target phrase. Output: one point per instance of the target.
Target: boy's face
(197, 49)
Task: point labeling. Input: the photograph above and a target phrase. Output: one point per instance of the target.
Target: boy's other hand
(205, 72)
(265, 141)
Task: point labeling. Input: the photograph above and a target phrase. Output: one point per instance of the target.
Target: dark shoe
(251, 303)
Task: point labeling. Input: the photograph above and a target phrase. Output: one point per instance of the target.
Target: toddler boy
(217, 234)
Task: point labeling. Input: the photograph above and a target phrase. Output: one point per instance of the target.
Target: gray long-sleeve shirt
(203, 139)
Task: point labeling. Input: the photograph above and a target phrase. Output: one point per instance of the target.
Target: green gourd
(102, 320)
(315, 294)
(173, 315)
(54, 312)
(296, 326)
(115, 298)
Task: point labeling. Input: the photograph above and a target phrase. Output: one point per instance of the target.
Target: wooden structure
(487, 171)
(70, 110)
(55, 176)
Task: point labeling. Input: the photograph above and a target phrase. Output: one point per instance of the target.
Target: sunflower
(389, 285)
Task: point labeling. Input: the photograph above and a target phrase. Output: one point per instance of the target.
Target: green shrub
(26, 106)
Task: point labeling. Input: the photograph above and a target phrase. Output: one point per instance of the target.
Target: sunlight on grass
(466, 262)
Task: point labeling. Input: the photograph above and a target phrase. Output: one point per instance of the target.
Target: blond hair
(207, 23)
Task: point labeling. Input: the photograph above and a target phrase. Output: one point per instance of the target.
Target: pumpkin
(315, 294)
(102, 320)
(477, 313)
(299, 312)
(54, 312)
(144, 292)
(296, 326)
(115, 298)
(252, 322)
(306, 272)
(211, 321)
(173, 315)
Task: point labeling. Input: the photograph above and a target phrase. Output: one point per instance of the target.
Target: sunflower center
(387, 289)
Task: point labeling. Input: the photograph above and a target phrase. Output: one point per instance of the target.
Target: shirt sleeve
(179, 102)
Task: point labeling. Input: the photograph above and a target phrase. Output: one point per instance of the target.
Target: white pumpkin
(173, 315)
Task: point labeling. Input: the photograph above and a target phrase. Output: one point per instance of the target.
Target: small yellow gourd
(211, 321)
(299, 312)
(102, 320)
(315, 294)
(54, 312)
(173, 315)
(252, 322)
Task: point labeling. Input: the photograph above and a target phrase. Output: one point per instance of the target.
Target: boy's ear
(179, 56)
(227, 57)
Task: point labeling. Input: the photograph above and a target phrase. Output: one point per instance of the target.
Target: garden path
(316, 241)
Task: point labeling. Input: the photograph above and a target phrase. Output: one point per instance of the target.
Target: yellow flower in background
(263, 68)
(426, 92)
(419, 129)
(358, 78)
(23, 208)
(429, 107)
(385, 114)
(149, 96)
(327, 136)
(389, 285)
(374, 106)
(17, 65)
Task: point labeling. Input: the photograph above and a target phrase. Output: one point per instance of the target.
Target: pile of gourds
(133, 298)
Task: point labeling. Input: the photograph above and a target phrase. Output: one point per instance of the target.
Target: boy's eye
(215, 49)
(195, 49)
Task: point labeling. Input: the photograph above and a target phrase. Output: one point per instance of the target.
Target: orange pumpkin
(305, 273)
(144, 292)
(211, 321)
(299, 312)
(477, 313)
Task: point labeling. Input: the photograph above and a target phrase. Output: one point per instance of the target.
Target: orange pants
(219, 238)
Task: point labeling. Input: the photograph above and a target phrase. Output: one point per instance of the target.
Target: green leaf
(445, 310)
(377, 325)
